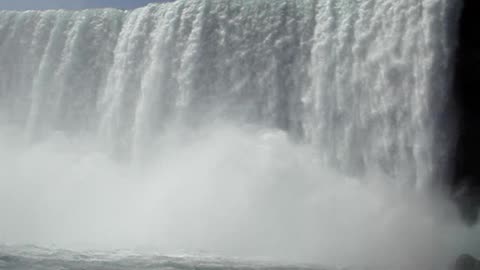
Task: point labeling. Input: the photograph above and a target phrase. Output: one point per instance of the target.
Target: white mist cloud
(220, 190)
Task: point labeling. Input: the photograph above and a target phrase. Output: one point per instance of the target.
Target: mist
(229, 191)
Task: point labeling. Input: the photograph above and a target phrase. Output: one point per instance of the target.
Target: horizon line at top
(43, 5)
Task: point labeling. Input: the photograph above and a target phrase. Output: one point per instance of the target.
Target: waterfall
(340, 95)
(364, 81)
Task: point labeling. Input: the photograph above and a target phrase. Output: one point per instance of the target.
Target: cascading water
(292, 129)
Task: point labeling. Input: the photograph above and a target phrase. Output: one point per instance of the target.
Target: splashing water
(291, 130)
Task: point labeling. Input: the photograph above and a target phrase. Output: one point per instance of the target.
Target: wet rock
(467, 262)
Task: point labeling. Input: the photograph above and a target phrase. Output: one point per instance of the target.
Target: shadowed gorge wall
(466, 180)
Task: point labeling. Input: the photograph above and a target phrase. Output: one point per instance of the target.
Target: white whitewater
(297, 129)
(364, 81)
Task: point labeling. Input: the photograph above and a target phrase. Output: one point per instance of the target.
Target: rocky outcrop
(467, 262)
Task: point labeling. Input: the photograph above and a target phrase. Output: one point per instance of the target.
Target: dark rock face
(466, 262)
(465, 184)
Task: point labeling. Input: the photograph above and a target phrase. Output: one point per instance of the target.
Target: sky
(72, 4)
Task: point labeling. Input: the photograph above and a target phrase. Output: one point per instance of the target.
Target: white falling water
(362, 80)
(265, 94)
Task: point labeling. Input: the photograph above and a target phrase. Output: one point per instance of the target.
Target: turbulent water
(42, 258)
(299, 130)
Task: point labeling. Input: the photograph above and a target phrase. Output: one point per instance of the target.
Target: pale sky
(72, 4)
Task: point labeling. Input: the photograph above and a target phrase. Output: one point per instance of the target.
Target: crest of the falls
(363, 81)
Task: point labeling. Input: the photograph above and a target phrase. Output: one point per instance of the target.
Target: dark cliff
(465, 184)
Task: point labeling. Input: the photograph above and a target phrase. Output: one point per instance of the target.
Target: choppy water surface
(32, 257)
